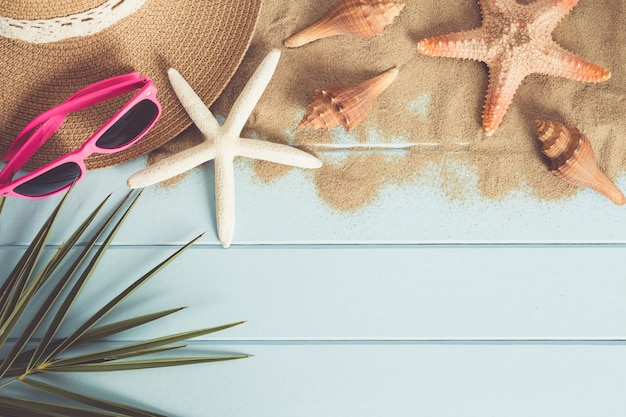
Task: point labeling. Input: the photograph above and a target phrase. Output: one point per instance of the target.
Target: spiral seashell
(361, 18)
(345, 105)
(573, 161)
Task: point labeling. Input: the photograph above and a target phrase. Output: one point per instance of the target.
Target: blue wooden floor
(412, 306)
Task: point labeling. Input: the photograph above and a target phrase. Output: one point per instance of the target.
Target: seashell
(345, 105)
(361, 18)
(572, 159)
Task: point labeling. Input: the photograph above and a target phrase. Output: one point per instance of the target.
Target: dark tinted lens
(50, 181)
(129, 126)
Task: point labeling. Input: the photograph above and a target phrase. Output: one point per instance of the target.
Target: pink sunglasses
(125, 128)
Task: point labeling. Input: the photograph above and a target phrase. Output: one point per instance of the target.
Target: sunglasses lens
(50, 181)
(130, 126)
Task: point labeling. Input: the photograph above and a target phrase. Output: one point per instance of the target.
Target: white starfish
(223, 143)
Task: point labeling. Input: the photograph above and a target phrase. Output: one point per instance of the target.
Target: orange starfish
(514, 41)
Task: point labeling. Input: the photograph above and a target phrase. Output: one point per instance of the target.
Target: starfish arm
(249, 97)
(547, 10)
(563, 63)
(193, 104)
(225, 199)
(548, 13)
(278, 153)
(467, 44)
(503, 82)
(491, 8)
(172, 166)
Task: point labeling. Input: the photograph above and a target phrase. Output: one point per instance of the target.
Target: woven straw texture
(204, 40)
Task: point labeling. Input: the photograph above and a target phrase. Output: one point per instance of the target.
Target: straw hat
(50, 49)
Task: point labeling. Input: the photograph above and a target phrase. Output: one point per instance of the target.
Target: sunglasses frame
(43, 127)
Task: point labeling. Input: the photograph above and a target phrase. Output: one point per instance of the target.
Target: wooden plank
(390, 292)
(289, 211)
(541, 380)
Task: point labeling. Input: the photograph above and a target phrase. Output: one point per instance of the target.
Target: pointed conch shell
(361, 18)
(345, 105)
(572, 159)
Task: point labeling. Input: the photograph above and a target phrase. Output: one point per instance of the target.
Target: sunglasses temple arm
(83, 102)
(132, 77)
(97, 93)
(27, 146)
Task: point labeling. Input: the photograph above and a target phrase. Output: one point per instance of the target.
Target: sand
(434, 106)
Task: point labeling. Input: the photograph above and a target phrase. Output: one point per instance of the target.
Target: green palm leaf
(69, 244)
(110, 406)
(18, 407)
(99, 315)
(52, 297)
(79, 284)
(133, 347)
(140, 364)
(121, 326)
(57, 283)
(12, 298)
(95, 334)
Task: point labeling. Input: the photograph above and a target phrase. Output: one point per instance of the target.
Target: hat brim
(204, 41)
